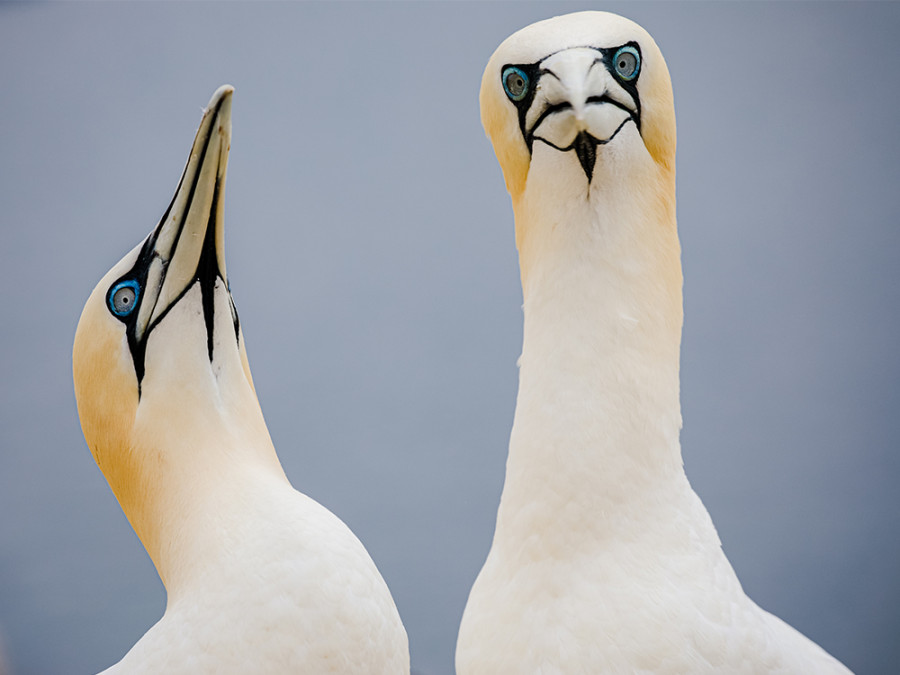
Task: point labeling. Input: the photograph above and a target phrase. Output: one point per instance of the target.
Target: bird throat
(598, 390)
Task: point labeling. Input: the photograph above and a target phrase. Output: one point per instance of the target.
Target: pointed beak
(188, 245)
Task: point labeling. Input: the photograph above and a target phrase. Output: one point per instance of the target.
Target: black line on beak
(148, 253)
(208, 271)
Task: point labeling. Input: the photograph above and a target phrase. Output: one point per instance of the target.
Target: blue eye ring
(515, 83)
(627, 63)
(123, 297)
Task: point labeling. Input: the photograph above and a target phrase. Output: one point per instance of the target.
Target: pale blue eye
(515, 83)
(123, 297)
(627, 63)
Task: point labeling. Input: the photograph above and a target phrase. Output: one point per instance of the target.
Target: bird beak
(188, 245)
(578, 105)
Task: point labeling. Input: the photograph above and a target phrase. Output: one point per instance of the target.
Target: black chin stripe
(208, 271)
(586, 149)
(206, 274)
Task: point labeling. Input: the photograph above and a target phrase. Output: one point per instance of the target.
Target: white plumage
(259, 577)
(604, 559)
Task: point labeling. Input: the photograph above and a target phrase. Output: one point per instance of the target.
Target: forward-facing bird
(604, 560)
(259, 577)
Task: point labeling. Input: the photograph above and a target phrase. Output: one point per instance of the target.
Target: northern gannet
(259, 577)
(604, 560)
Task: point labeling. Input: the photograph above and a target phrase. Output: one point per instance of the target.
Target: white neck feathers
(204, 461)
(598, 415)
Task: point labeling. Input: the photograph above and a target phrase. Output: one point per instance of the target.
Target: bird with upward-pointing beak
(259, 577)
(604, 560)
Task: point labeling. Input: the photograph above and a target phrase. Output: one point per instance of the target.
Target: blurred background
(371, 255)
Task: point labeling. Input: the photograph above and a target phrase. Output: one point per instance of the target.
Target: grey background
(371, 254)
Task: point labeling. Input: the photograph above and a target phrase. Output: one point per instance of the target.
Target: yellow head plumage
(602, 34)
(160, 371)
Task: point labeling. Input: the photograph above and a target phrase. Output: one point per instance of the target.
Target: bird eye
(123, 297)
(515, 82)
(627, 62)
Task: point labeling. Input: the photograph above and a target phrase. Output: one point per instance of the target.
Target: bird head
(158, 352)
(563, 92)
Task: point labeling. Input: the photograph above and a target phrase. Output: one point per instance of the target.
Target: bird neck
(597, 416)
(199, 474)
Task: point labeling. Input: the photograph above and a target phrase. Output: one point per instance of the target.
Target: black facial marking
(206, 273)
(138, 272)
(628, 85)
(574, 144)
(234, 318)
(549, 110)
(534, 72)
(586, 149)
(584, 145)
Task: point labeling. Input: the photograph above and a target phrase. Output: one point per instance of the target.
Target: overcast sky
(371, 255)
